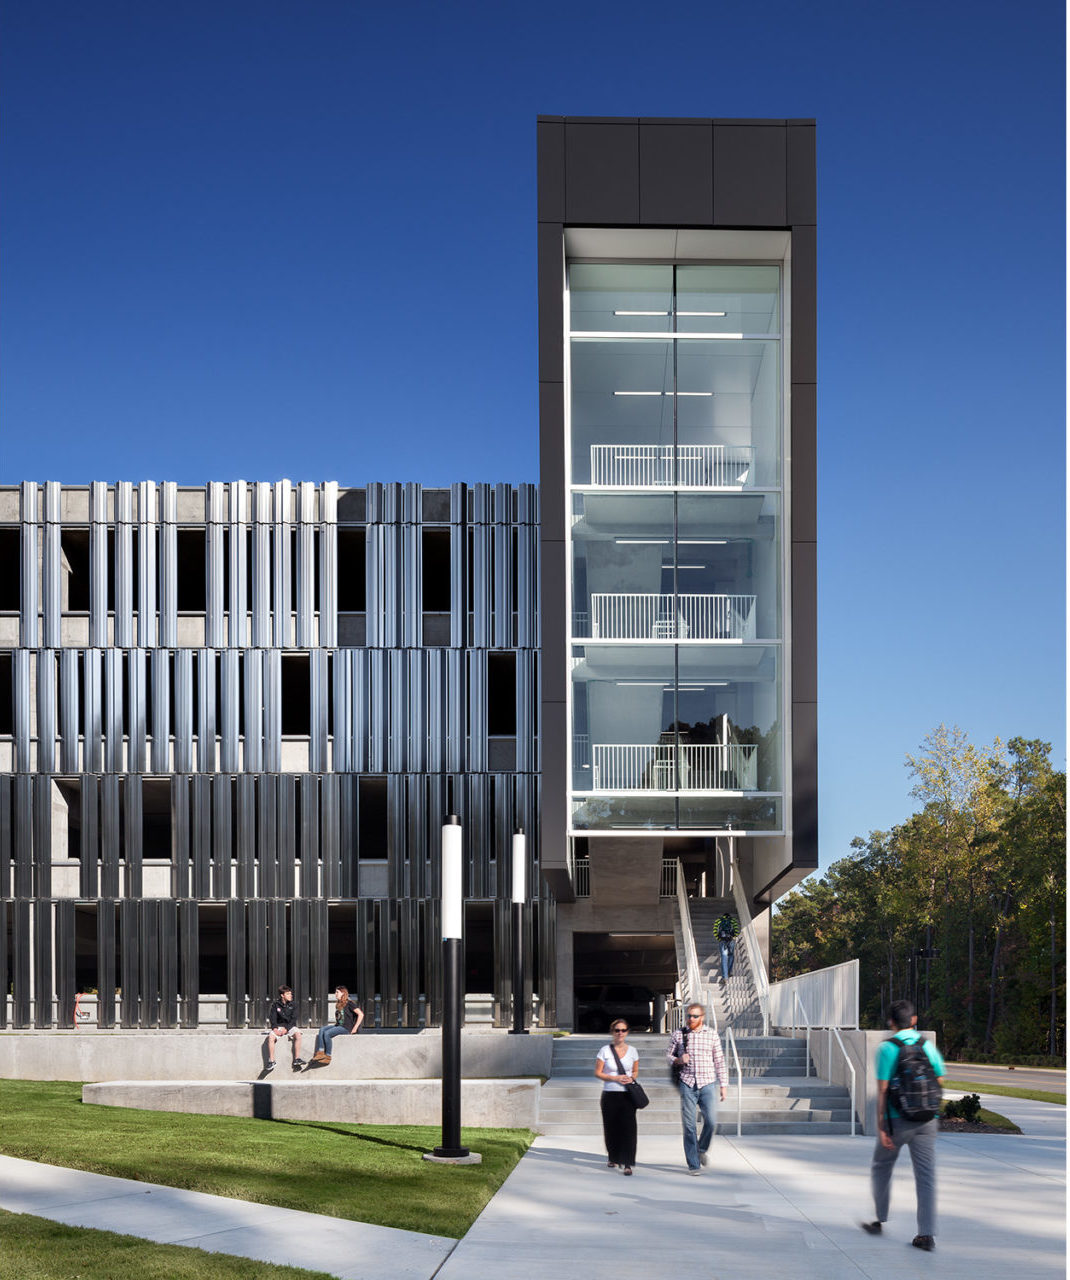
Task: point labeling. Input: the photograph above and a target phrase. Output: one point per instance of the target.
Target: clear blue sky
(274, 238)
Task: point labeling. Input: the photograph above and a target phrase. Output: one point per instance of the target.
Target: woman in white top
(618, 1110)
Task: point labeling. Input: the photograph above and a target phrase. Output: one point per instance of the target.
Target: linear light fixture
(690, 566)
(701, 313)
(641, 393)
(656, 313)
(645, 684)
(642, 542)
(703, 542)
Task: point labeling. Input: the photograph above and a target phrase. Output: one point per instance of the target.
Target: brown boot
(320, 1057)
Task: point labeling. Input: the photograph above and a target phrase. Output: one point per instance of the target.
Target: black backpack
(914, 1089)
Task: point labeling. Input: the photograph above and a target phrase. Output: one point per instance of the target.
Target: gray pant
(920, 1137)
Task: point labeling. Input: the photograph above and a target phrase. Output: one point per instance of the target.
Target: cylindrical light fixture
(520, 876)
(452, 993)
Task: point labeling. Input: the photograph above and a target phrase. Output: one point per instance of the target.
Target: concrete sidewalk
(766, 1206)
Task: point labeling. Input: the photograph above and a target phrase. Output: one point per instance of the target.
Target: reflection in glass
(623, 296)
(733, 298)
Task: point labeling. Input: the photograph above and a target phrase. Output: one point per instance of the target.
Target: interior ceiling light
(642, 542)
(656, 313)
(690, 566)
(699, 313)
(641, 393)
(691, 393)
(703, 542)
(645, 684)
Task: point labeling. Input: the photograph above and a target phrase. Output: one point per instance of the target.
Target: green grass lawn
(368, 1173)
(37, 1249)
(1006, 1091)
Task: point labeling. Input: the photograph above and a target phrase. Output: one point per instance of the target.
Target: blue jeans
(705, 1100)
(728, 957)
(325, 1035)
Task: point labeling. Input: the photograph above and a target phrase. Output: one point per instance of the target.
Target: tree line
(961, 908)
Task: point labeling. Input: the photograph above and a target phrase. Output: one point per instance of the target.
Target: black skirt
(618, 1126)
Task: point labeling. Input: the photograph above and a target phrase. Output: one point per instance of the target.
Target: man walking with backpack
(910, 1073)
(726, 929)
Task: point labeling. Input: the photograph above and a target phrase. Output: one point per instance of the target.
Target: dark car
(597, 1006)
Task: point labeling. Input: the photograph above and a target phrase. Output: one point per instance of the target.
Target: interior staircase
(777, 1095)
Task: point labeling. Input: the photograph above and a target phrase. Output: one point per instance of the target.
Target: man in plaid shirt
(698, 1049)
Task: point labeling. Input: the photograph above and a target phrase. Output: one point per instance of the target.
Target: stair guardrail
(694, 992)
(831, 993)
(730, 1041)
(754, 951)
(834, 1031)
(799, 1008)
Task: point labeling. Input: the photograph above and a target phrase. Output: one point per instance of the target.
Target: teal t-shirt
(888, 1055)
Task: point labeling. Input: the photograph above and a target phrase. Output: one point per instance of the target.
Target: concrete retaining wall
(241, 1055)
(512, 1104)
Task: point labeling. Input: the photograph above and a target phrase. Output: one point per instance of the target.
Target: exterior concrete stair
(776, 1095)
(735, 1000)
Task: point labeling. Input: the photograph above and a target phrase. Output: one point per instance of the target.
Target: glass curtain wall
(676, 611)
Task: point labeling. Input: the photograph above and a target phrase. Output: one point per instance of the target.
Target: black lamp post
(451, 1151)
(520, 868)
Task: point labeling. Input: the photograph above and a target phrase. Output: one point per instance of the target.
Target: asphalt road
(1013, 1077)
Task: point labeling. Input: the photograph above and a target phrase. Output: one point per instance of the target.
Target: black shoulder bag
(633, 1088)
(678, 1066)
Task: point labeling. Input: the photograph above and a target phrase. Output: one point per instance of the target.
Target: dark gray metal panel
(551, 277)
(180, 841)
(602, 173)
(328, 547)
(106, 983)
(168, 629)
(183, 666)
(110, 835)
(410, 978)
(229, 699)
(70, 717)
(412, 583)
(46, 710)
(286, 795)
(308, 843)
(389, 967)
(377, 732)
(554, 812)
(476, 664)
(319, 943)
(551, 463)
(134, 828)
(238, 595)
(245, 885)
(51, 571)
(396, 830)
(803, 462)
(28, 571)
(749, 176)
(347, 838)
(253, 693)
(804, 622)
(272, 703)
(149, 958)
(432, 932)
(456, 709)
(146, 564)
(113, 711)
(804, 778)
(169, 960)
(502, 633)
(804, 304)
(93, 747)
(65, 978)
(260, 567)
(458, 582)
(22, 681)
(300, 942)
(189, 962)
(236, 957)
(136, 704)
(676, 175)
(21, 963)
(257, 933)
(23, 843)
(364, 948)
(802, 174)
(124, 565)
(89, 837)
(277, 953)
(222, 837)
(554, 624)
(5, 931)
(330, 861)
(318, 758)
(550, 147)
(266, 836)
(282, 602)
(7, 889)
(42, 963)
(201, 836)
(215, 629)
(398, 712)
(42, 837)
(129, 967)
(160, 675)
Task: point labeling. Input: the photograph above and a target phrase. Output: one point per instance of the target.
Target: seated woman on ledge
(347, 1018)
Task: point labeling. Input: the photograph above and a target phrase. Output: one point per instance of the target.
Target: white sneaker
(703, 1158)
(695, 1173)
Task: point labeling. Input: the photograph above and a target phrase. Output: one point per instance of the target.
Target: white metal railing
(831, 995)
(749, 938)
(694, 991)
(636, 615)
(664, 766)
(834, 1031)
(730, 1044)
(800, 1016)
(716, 466)
(581, 750)
(667, 888)
(581, 877)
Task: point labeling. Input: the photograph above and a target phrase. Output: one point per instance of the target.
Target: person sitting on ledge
(282, 1024)
(347, 1018)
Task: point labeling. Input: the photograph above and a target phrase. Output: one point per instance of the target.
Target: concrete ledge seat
(507, 1103)
(241, 1055)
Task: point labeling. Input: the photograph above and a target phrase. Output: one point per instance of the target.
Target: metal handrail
(696, 993)
(834, 1031)
(797, 1006)
(831, 991)
(754, 952)
(730, 1041)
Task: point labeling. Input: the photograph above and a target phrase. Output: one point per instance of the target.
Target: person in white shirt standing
(697, 1050)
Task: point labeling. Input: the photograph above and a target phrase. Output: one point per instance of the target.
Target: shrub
(968, 1108)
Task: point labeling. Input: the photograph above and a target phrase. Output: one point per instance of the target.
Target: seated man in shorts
(281, 1020)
